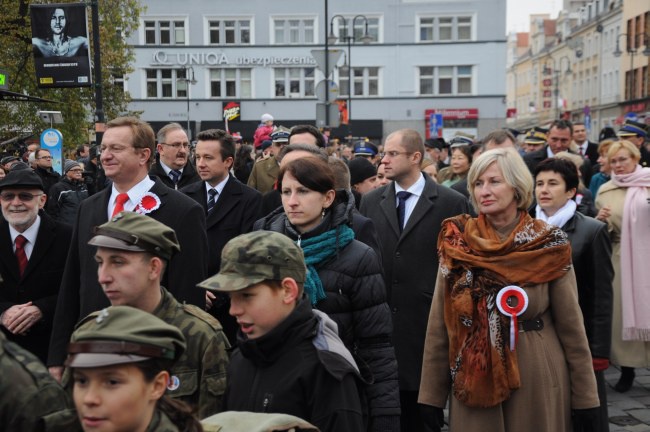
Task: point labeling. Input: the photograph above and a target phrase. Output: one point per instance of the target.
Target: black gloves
(433, 418)
(585, 420)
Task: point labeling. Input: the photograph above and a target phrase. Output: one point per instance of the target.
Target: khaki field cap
(122, 334)
(254, 257)
(137, 233)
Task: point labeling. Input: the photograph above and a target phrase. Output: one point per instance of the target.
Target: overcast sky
(520, 10)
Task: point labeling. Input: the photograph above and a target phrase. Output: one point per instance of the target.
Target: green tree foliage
(118, 20)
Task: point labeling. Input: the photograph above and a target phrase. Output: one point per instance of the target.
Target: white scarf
(560, 217)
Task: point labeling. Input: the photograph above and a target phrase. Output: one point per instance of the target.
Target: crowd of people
(160, 285)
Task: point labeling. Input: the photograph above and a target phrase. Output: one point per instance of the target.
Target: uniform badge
(174, 383)
(102, 315)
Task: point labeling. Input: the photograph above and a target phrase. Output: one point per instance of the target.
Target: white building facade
(194, 58)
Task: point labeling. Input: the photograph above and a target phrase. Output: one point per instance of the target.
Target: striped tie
(212, 199)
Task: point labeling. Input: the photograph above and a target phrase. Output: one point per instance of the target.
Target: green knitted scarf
(319, 249)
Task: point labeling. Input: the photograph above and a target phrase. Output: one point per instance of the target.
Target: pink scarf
(635, 254)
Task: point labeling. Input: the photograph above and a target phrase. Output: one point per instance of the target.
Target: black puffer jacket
(64, 200)
(356, 301)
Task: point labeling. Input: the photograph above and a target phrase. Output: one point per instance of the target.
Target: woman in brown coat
(505, 333)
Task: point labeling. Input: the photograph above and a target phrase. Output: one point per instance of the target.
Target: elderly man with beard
(33, 250)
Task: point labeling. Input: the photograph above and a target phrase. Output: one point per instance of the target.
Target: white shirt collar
(135, 195)
(219, 187)
(168, 169)
(416, 188)
(30, 234)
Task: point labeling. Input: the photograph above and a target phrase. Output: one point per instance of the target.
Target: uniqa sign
(213, 58)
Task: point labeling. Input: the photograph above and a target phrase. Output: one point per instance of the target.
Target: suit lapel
(161, 190)
(7, 250)
(389, 207)
(228, 199)
(422, 207)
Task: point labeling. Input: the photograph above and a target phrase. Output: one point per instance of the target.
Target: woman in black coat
(344, 279)
(556, 181)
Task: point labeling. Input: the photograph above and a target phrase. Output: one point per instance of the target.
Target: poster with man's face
(61, 45)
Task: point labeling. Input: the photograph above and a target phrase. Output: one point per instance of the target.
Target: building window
(294, 82)
(229, 32)
(294, 31)
(164, 32)
(445, 80)
(166, 83)
(445, 28)
(227, 83)
(365, 79)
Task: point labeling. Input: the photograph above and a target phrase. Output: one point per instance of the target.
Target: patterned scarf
(319, 249)
(477, 265)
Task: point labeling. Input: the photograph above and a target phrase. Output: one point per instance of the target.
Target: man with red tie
(127, 152)
(33, 249)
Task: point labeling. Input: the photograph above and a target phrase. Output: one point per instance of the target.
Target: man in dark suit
(408, 212)
(558, 140)
(33, 249)
(173, 166)
(127, 152)
(586, 148)
(231, 206)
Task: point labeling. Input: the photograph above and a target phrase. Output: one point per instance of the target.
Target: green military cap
(123, 334)
(138, 233)
(254, 257)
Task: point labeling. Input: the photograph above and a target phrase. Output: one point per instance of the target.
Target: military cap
(134, 232)
(26, 179)
(123, 334)
(365, 148)
(536, 135)
(251, 258)
(281, 134)
(632, 128)
(461, 139)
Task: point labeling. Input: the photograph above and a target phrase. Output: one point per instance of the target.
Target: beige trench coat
(554, 364)
(624, 353)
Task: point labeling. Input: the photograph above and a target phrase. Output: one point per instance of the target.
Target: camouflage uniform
(201, 370)
(31, 399)
(161, 423)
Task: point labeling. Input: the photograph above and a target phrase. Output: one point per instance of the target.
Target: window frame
(436, 77)
(224, 79)
(173, 20)
(239, 28)
(176, 86)
(288, 77)
(287, 29)
(365, 80)
(454, 27)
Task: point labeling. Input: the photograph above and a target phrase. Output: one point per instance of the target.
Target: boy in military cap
(120, 359)
(132, 252)
(289, 358)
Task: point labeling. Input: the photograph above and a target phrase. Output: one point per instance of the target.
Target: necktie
(402, 196)
(20, 253)
(212, 194)
(119, 203)
(175, 175)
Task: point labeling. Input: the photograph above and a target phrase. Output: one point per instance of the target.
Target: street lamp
(188, 79)
(556, 72)
(632, 51)
(347, 35)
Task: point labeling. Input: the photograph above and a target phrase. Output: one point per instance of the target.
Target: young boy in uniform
(289, 357)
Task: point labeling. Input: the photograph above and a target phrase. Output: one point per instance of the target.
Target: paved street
(628, 412)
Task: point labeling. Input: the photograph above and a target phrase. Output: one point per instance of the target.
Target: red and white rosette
(148, 203)
(512, 301)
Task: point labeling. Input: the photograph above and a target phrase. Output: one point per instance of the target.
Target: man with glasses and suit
(33, 250)
(173, 167)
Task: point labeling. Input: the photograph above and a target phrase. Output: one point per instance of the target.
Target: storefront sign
(455, 114)
(232, 111)
(216, 58)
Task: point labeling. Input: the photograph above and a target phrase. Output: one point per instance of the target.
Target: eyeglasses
(23, 196)
(76, 170)
(45, 157)
(394, 154)
(177, 145)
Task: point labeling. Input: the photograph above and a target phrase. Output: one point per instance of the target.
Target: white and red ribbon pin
(512, 301)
